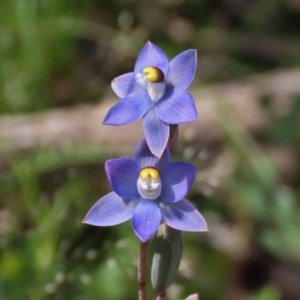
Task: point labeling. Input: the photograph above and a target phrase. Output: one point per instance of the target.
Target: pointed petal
(124, 84)
(128, 109)
(177, 179)
(182, 215)
(109, 210)
(151, 56)
(177, 107)
(145, 158)
(156, 133)
(146, 219)
(123, 174)
(182, 69)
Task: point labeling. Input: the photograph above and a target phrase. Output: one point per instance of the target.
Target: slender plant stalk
(142, 262)
(142, 271)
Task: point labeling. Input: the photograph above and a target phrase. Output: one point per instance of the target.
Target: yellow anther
(149, 172)
(153, 74)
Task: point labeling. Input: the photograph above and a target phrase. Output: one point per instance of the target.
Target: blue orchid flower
(150, 191)
(157, 92)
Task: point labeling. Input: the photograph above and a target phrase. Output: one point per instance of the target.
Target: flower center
(149, 183)
(153, 74)
(153, 80)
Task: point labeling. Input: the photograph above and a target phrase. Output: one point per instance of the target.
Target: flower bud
(167, 251)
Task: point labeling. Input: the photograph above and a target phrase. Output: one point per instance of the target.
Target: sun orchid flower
(157, 92)
(150, 191)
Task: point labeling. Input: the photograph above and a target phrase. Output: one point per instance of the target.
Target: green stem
(142, 271)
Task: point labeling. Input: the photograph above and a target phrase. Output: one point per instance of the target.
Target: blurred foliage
(60, 53)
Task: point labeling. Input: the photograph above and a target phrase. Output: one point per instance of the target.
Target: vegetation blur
(60, 54)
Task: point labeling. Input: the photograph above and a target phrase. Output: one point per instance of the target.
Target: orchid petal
(151, 56)
(124, 84)
(110, 210)
(146, 219)
(182, 69)
(128, 109)
(145, 158)
(177, 179)
(156, 133)
(143, 155)
(123, 174)
(177, 107)
(183, 215)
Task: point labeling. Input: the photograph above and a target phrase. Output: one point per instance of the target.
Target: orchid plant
(150, 188)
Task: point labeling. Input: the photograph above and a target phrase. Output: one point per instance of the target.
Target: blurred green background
(59, 54)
